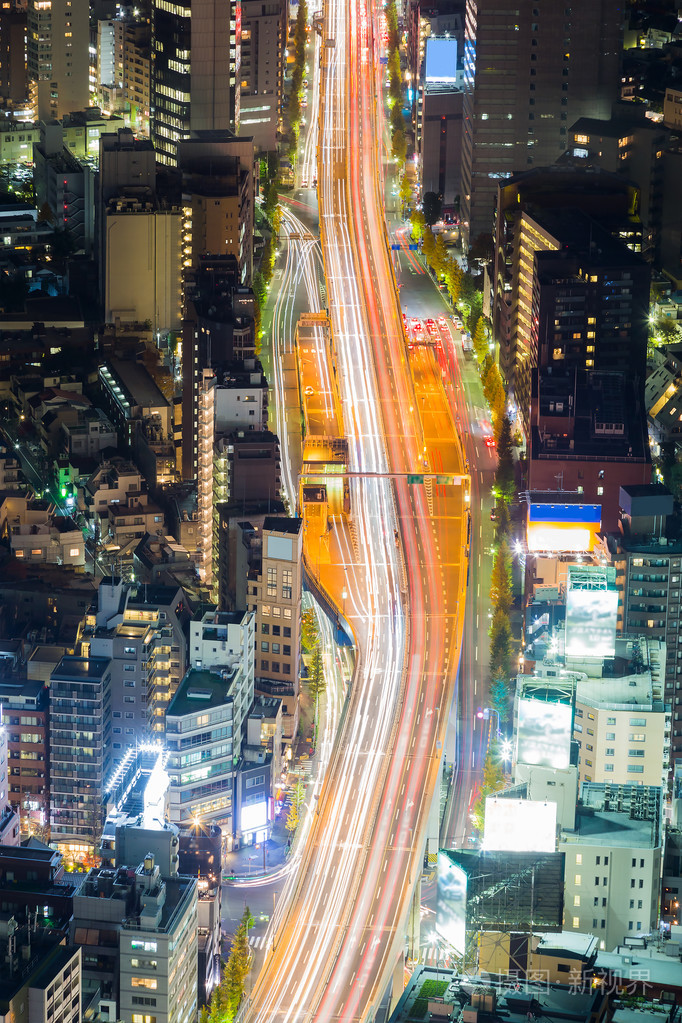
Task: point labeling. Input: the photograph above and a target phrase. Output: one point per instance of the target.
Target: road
(341, 932)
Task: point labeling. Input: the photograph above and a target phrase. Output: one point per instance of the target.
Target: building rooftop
(619, 693)
(136, 383)
(80, 669)
(200, 690)
(275, 524)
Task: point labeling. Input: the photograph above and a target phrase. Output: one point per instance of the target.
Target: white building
(622, 730)
(241, 399)
(223, 638)
(613, 863)
(205, 725)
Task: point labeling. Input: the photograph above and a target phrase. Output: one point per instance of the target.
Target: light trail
(341, 927)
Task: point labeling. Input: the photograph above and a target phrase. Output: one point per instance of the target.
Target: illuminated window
(589, 363)
(576, 921)
(583, 140)
(265, 610)
(272, 582)
(578, 880)
(576, 900)
(151, 983)
(600, 491)
(74, 552)
(578, 858)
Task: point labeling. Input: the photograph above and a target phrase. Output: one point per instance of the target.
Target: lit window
(576, 922)
(578, 880)
(151, 983)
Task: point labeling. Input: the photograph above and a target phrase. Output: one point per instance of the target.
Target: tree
(480, 340)
(475, 311)
(428, 245)
(317, 683)
(292, 821)
(310, 632)
(440, 256)
(501, 579)
(505, 484)
(453, 279)
(499, 698)
(500, 645)
(405, 190)
(418, 225)
(493, 781)
(227, 996)
(399, 148)
(271, 199)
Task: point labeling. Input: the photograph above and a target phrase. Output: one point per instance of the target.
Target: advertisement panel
(519, 825)
(441, 60)
(544, 733)
(452, 903)
(254, 816)
(569, 528)
(591, 619)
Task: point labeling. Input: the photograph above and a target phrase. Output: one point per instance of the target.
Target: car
(304, 183)
(493, 515)
(404, 321)
(442, 323)
(490, 442)
(417, 326)
(314, 182)
(457, 322)
(432, 328)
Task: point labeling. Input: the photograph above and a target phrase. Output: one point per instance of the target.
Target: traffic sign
(398, 247)
(413, 247)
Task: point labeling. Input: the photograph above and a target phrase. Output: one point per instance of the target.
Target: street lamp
(483, 714)
(343, 597)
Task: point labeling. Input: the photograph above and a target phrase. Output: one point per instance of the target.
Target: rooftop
(202, 690)
(275, 524)
(80, 669)
(619, 693)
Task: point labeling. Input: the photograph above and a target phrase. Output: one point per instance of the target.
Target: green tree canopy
(500, 645)
(501, 579)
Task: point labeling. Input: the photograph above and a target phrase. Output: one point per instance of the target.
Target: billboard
(543, 735)
(591, 619)
(254, 816)
(441, 60)
(452, 902)
(570, 528)
(519, 825)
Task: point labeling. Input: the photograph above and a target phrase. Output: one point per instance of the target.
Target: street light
(483, 714)
(343, 597)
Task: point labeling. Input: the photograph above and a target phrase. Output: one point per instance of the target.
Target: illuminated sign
(519, 825)
(441, 60)
(254, 816)
(452, 903)
(562, 527)
(543, 736)
(591, 611)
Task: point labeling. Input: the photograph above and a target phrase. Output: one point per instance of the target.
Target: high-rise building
(13, 79)
(195, 70)
(218, 197)
(530, 71)
(80, 744)
(57, 47)
(24, 705)
(263, 39)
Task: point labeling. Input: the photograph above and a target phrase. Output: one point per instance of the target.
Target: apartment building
(25, 714)
(80, 745)
(140, 630)
(263, 39)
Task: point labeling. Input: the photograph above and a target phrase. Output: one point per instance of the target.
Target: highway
(339, 930)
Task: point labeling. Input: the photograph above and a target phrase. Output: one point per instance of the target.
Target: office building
(58, 37)
(648, 560)
(67, 185)
(630, 144)
(143, 263)
(132, 399)
(80, 744)
(208, 714)
(613, 863)
(13, 77)
(530, 71)
(138, 933)
(195, 71)
(263, 40)
(218, 197)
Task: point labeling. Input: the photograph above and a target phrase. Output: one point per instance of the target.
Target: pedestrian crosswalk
(257, 942)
